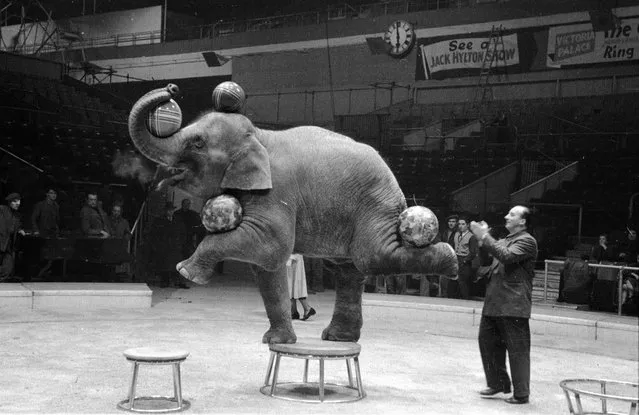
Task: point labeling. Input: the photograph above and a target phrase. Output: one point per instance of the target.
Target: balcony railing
(224, 28)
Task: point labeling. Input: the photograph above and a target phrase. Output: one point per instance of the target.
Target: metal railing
(225, 28)
(621, 269)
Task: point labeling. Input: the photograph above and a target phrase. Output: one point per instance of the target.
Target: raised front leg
(347, 319)
(247, 243)
(274, 289)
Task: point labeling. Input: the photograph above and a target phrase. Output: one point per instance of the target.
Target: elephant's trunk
(159, 150)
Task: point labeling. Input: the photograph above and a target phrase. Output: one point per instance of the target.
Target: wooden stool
(317, 350)
(155, 356)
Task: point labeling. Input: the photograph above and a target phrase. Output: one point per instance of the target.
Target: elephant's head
(217, 151)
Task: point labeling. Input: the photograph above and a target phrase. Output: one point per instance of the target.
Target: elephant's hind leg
(274, 289)
(347, 315)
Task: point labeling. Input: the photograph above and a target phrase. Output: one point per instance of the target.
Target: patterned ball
(165, 119)
(418, 226)
(221, 214)
(228, 97)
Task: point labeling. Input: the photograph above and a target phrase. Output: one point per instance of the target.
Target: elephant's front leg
(347, 315)
(274, 289)
(267, 251)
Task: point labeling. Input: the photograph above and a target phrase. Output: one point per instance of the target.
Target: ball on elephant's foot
(222, 213)
(418, 226)
(165, 119)
(228, 97)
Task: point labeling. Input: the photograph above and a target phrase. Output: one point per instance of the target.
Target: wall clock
(400, 38)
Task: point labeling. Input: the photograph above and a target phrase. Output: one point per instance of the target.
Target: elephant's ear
(250, 168)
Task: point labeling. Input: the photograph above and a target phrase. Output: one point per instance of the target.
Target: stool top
(155, 354)
(316, 347)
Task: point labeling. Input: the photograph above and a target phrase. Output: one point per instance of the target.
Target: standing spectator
(93, 220)
(119, 225)
(466, 251)
(45, 222)
(602, 251)
(120, 229)
(504, 325)
(628, 249)
(10, 227)
(448, 236)
(166, 239)
(296, 275)
(192, 225)
(630, 283)
(45, 219)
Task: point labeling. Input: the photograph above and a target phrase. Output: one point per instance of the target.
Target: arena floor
(72, 362)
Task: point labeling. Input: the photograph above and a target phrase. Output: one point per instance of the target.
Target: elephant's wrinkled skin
(305, 190)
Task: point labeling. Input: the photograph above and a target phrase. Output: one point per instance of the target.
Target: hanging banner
(467, 55)
(580, 45)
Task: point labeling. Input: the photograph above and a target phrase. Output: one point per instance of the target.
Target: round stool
(316, 350)
(602, 390)
(155, 404)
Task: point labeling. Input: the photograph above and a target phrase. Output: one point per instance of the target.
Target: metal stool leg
(136, 367)
(269, 369)
(275, 373)
(350, 374)
(321, 380)
(177, 384)
(360, 388)
(305, 371)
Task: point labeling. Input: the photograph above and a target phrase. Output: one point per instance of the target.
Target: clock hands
(397, 32)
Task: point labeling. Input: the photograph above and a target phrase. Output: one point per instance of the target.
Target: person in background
(603, 250)
(120, 229)
(629, 248)
(93, 220)
(466, 251)
(166, 239)
(45, 219)
(10, 228)
(192, 226)
(504, 327)
(448, 236)
(296, 275)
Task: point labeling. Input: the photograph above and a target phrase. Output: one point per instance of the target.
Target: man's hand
(21, 232)
(479, 229)
(104, 234)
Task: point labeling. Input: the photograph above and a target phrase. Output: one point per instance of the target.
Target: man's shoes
(310, 313)
(517, 401)
(181, 285)
(295, 316)
(493, 393)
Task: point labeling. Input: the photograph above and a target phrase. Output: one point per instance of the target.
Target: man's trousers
(498, 335)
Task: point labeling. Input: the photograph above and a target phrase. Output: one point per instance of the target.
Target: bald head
(517, 219)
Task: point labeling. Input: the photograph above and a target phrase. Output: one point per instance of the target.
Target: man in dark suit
(504, 323)
(448, 235)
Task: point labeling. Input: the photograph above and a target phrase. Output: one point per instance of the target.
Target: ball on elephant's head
(165, 119)
(221, 213)
(228, 97)
(418, 226)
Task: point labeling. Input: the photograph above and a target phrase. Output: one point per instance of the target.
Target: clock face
(400, 37)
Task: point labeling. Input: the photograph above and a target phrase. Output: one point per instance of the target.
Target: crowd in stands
(593, 279)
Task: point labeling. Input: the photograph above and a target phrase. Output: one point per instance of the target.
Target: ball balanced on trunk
(165, 119)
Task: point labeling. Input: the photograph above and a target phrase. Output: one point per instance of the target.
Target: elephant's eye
(198, 142)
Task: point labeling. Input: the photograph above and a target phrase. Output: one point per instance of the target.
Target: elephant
(305, 190)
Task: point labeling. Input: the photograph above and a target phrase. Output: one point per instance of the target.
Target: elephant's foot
(341, 333)
(279, 335)
(190, 270)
